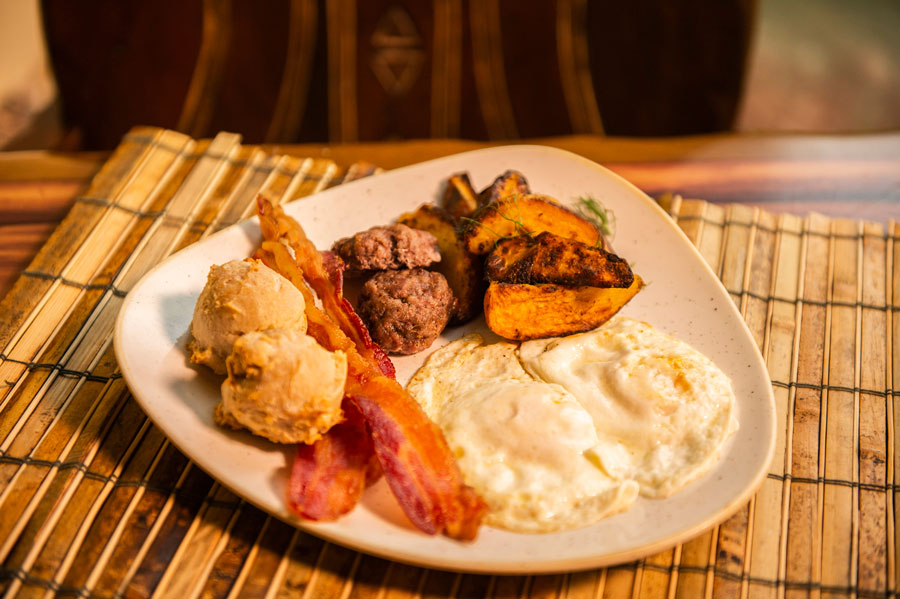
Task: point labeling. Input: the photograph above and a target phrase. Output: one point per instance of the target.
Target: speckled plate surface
(683, 298)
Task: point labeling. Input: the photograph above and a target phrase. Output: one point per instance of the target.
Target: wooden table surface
(855, 176)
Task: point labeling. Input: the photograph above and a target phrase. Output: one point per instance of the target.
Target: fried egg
(662, 410)
(528, 447)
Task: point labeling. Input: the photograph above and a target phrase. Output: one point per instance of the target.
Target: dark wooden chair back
(346, 70)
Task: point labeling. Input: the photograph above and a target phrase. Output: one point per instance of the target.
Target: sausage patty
(387, 248)
(406, 310)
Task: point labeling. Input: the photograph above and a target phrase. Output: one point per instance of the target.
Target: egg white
(525, 445)
(662, 410)
(558, 433)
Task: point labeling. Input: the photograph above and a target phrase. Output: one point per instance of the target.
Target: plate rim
(512, 567)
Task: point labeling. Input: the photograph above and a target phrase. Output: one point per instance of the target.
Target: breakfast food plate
(683, 298)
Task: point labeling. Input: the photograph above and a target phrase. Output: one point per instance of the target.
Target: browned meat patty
(406, 310)
(387, 248)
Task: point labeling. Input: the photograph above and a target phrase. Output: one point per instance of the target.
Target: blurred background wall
(824, 65)
(29, 115)
(812, 65)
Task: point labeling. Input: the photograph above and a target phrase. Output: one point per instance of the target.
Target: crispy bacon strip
(320, 327)
(323, 272)
(412, 451)
(416, 461)
(354, 327)
(329, 477)
(334, 266)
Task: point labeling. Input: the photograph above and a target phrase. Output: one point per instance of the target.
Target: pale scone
(239, 297)
(283, 386)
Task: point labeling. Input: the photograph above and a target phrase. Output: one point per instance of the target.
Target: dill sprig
(520, 227)
(594, 210)
(478, 223)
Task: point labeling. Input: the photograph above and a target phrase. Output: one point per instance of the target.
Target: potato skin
(511, 183)
(463, 270)
(459, 198)
(549, 258)
(523, 214)
(520, 312)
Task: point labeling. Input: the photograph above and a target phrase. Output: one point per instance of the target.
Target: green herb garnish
(593, 210)
(520, 227)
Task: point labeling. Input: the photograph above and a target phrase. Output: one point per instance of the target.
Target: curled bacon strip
(322, 271)
(412, 451)
(354, 327)
(329, 477)
(417, 462)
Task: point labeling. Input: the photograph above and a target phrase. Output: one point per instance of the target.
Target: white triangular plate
(683, 297)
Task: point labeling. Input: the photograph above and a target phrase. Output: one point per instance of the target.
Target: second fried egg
(661, 409)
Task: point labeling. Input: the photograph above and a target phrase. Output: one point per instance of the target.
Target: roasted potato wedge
(549, 258)
(510, 183)
(520, 312)
(525, 214)
(459, 197)
(463, 270)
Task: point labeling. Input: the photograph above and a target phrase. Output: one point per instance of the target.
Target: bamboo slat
(873, 423)
(779, 350)
(95, 502)
(695, 571)
(892, 374)
(839, 509)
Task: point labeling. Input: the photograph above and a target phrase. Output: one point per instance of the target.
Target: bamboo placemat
(95, 502)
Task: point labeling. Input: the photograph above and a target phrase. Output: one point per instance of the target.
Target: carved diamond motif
(397, 53)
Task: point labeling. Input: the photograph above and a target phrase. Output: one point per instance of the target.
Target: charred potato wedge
(459, 197)
(462, 270)
(520, 312)
(511, 183)
(525, 214)
(549, 258)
